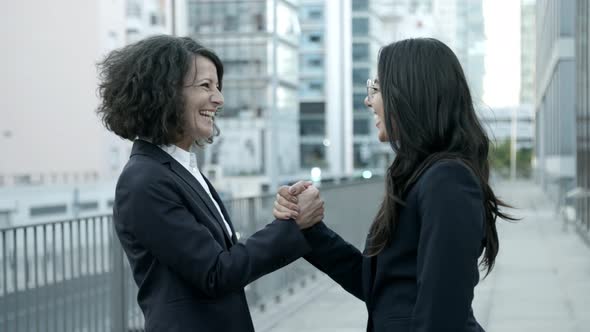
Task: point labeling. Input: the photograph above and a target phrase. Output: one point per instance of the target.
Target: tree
(499, 157)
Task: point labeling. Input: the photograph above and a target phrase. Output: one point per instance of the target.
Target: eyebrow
(209, 80)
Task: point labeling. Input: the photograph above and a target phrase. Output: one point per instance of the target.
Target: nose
(367, 101)
(217, 98)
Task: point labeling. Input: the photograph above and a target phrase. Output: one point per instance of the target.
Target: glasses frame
(372, 90)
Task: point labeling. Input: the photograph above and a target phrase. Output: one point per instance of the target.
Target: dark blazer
(424, 280)
(190, 273)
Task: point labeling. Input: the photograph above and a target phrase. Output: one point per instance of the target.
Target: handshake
(300, 202)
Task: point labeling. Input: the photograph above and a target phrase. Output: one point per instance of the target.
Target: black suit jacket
(424, 280)
(190, 273)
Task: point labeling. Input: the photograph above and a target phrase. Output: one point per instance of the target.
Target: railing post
(251, 229)
(118, 291)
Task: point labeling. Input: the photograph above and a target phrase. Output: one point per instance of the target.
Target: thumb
(299, 187)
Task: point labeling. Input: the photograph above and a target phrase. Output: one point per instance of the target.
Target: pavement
(541, 281)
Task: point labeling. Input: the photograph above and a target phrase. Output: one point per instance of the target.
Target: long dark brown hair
(429, 116)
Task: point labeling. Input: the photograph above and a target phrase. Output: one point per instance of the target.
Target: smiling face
(374, 101)
(202, 99)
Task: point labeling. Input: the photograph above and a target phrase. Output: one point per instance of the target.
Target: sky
(502, 62)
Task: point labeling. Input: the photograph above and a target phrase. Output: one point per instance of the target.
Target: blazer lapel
(146, 148)
(196, 186)
(216, 197)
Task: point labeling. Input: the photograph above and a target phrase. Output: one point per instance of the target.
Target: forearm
(332, 255)
(267, 250)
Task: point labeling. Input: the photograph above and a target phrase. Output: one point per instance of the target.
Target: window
(358, 102)
(312, 12)
(133, 9)
(360, 26)
(314, 60)
(360, 52)
(316, 86)
(312, 88)
(259, 22)
(360, 5)
(313, 155)
(83, 206)
(315, 14)
(47, 209)
(230, 23)
(312, 63)
(312, 39)
(360, 155)
(153, 19)
(360, 127)
(360, 76)
(312, 127)
(312, 108)
(22, 179)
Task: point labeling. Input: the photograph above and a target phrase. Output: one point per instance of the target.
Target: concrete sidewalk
(541, 281)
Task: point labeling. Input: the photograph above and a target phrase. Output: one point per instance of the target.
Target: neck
(185, 145)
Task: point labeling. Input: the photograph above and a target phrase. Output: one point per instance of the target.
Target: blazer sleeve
(452, 218)
(339, 259)
(155, 215)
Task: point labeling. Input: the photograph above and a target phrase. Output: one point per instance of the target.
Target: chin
(204, 134)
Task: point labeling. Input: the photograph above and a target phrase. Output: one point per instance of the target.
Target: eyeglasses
(372, 89)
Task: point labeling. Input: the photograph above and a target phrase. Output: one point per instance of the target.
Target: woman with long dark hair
(438, 216)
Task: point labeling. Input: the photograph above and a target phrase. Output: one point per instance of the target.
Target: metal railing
(73, 276)
(55, 276)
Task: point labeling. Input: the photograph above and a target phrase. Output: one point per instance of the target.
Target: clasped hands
(301, 202)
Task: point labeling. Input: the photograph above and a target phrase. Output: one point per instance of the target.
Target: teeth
(207, 113)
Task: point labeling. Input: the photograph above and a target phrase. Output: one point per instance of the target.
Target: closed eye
(207, 86)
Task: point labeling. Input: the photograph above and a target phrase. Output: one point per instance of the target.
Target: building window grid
(222, 16)
(243, 58)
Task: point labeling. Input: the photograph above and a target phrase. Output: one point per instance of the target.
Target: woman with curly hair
(163, 93)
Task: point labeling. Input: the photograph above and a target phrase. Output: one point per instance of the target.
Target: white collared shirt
(189, 161)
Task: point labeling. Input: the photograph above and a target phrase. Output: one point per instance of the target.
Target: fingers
(284, 192)
(299, 187)
(312, 195)
(280, 215)
(318, 215)
(283, 211)
(285, 203)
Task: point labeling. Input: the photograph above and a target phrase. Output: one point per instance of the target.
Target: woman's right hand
(301, 202)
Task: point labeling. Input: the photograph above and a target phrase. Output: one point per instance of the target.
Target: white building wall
(49, 129)
(338, 62)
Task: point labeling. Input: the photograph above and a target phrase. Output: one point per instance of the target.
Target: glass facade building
(259, 95)
(555, 133)
(312, 92)
(367, 34)
(582, 203)
(527, 52)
